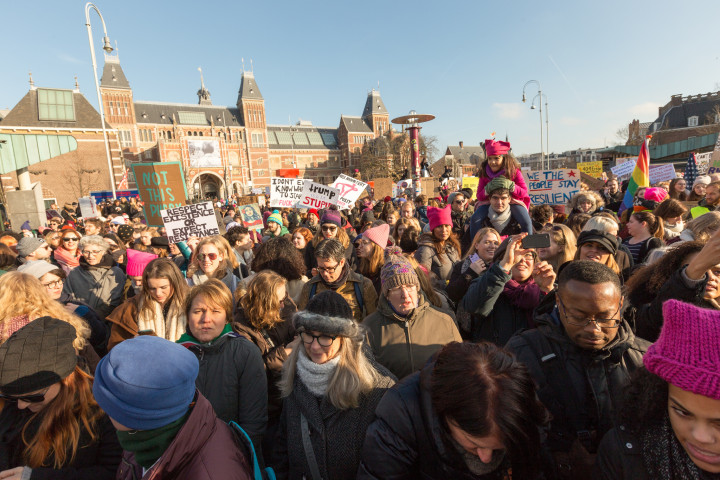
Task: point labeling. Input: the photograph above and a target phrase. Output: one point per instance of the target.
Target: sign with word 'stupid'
(317, 195)
(350, 189)
(286, 192)
(197, 220)
(552, 187)
(161, 186)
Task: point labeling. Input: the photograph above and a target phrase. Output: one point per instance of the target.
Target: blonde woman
(156, 310)
(331, 389)
(213, 258)
(403, 224)
(370, 251)
(563, 244)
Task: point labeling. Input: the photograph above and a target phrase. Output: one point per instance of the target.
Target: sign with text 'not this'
(552, 187)
(196, 220)
(161, 186)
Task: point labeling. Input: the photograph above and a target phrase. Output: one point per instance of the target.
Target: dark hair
(587, 271)
(645, 400)
(576, 222)
(499, 191)
(409, 239)
(541, 214)
(280, 255)
(7, 257)
(654, 224)
(330, 249)
(233, 235)
(682, 196)
(482, 387)
(510, 165)
(670, 208)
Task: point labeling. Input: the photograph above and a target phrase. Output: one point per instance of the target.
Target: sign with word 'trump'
(196, 220)
(317, 195)
(350, 189)
(161, 186)
(552, 187)
(286, 192)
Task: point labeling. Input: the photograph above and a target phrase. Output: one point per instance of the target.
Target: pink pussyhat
(137, 261)
(378, 234)
(439, 216)
(496, 148)
(656, 194)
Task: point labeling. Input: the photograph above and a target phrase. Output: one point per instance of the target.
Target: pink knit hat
(656, 194)
(439, 216)
(137, 261)
(686, 353)
(378, 234)
(496, 148)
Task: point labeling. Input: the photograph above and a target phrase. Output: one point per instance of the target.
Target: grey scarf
(473, 462)
(499, 220)
(315, 376)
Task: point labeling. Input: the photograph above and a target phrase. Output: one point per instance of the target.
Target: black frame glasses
(329, 269)
(34, 398)
(599, 322)
(326, 339)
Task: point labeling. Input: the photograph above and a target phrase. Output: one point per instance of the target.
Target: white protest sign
(552, 187)
(662, 173)
(286, 192)
(625, 168)
(88, 208)
(317, 195)
(703, 162)
(196, 220)
(350, 190)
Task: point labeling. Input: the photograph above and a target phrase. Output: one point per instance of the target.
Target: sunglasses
(211, 256)
(70, 239)
(34, 398)
(329, 229)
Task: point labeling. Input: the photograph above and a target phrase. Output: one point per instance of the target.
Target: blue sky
(601, 64)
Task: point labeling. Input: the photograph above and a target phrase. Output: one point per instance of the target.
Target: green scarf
(186, 339)
(149, 445)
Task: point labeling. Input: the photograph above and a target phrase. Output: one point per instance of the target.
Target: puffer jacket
(407, 440)
(581, 388)
(336, 435)
(204, 449)
(404, 344)
(440, 265)
(347, 290)
(493, 316)
(100, 286)
(620, 457)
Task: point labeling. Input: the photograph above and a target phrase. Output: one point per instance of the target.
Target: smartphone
(474, 258)
(538, 240)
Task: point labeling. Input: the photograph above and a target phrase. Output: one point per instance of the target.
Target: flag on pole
(691, 171)
(124, 182)
(640, 176)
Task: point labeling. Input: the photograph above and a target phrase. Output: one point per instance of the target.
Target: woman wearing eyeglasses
(213, 258)
(50, 424)
(67, 254)
(331, 389)
(330, 227)
(98, 281)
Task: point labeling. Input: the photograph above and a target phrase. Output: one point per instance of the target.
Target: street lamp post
(108, 48)
(542, 152)
(547, 123)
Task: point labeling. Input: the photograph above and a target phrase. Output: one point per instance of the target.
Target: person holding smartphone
(474, 263)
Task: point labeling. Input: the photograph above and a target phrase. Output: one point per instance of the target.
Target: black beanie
(37, 356)
(327, 312)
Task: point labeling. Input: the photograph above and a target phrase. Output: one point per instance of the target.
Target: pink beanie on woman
(439, 216)
(137, 261)
(378, 235)
(496, 148)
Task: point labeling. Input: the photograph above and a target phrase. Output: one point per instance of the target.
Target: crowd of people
(402, 338)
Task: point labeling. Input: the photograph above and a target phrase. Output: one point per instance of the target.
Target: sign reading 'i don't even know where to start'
(161, 186)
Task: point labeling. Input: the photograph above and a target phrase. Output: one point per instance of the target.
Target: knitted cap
(378, 234)
(275, 217)
(656, 194)
(125, 232)
(686, 352)
(331, 216)
(37, 268)
(26, 225)
(397, 270)
(704, 179)
(609, 242)
(327, 312)
(27, 245)
(37, 356)
(146, 382)
(439, 216)
(137, 261)
(496, 148)
(367, 217)
(313, 211)
(498, 183)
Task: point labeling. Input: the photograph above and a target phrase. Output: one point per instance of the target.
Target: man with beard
(581, 356)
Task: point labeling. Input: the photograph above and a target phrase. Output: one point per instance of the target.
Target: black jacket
(581, 388)
(620, 457)
(232, 378)
(459, 282)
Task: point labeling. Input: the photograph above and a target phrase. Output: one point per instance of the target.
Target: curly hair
(280, 255)
(259, 300)
(645, 400)
(594, 197)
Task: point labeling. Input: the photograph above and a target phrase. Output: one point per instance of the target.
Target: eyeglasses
(203, 256)
(329, 228)
(55, 284)
(599, 322)
(92, 252)
(459, 201)
(323, 340)
(34, 398)
(70, 239)
(328, 269)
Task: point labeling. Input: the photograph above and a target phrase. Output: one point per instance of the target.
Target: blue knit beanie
(146, 382)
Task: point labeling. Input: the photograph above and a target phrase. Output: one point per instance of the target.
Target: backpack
(244, 440)
(358, 294)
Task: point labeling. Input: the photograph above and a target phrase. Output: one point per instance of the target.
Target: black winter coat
(408, 441)
(620, 457)
(460, 281)
(581, 388)
(232, 378)
(94, 460)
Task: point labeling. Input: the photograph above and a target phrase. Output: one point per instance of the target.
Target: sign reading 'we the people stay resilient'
(553, 187)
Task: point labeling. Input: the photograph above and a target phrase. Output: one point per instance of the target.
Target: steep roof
(355, 124)
(468, 155)
(248, 88)
(701, 106)
(186, 114)
(113, 75)
(374, 105)
(26, 113)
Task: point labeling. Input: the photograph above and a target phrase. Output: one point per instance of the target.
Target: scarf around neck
(473, 462)
(187, 340)
(525, 296)
(170, 326)
(66, 259)
(315, 376)
(149, 445)
(340, 281)
(499, 220)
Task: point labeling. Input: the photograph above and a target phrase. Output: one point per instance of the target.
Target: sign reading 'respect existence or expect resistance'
(196, 220)
(554, 187)
(161, 186)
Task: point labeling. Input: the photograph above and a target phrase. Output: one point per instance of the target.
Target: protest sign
(350, 189)
(471, 183)
(625, 168)
(286, 192)
(403, 186)
(161, 186)
(703, 163)
(592, 182)
(246, 200)
(594, 169)
(553, 187)
(196, 220)
(715, 157)
(317, 195)
(429, 186)
(383, 188)
(88, 208)
(661, 173)
(251, 216)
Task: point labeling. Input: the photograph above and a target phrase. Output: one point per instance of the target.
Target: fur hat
(327, 312)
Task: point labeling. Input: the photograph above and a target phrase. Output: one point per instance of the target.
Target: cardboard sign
(662, 173)
(317, 195)
(591, 182)
(286, 192)
(350, 189)
(246, 200)
(383, 188)
(594, 169)
(472, 183)
(196, 220)
(429, 186)
(251, 216)
(161, 186)
(625, 168)
(552, 187)
(703, 163)
(88, 208)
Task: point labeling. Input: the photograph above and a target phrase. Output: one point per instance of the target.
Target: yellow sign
(472, 183)
(594, 169)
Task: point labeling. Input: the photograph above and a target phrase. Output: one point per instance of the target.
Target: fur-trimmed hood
(594, 196)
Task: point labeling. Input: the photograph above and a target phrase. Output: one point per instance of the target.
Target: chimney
(461, 144)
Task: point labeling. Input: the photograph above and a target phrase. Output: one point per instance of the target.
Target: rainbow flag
(640, 176)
